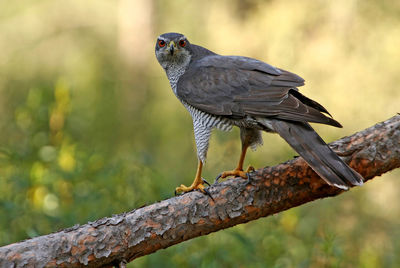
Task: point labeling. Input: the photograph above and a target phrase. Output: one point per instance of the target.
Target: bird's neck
(174, 72)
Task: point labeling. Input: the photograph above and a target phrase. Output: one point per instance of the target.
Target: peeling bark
(122, 238)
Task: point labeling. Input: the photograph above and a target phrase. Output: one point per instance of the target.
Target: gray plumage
(225, 91)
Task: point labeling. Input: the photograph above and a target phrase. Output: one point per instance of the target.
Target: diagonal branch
(122, 238)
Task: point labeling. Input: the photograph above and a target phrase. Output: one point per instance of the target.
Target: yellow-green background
(89, 126)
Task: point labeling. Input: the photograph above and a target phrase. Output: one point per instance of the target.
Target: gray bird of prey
(225, 91)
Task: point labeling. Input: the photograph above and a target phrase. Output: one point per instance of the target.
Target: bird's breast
(208, 120)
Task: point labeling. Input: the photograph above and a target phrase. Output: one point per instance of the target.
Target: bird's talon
(206, 182)
(218, 177)
(250, 169)
(184, 189)
(235, 173)
(181, 190)
(208, 193)
(176, 193)
(248, 178)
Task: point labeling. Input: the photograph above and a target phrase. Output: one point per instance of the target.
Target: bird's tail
(309, 145)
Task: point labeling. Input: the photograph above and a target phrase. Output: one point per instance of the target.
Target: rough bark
(122, 238)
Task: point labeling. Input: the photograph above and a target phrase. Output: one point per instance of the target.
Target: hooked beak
(171, 48)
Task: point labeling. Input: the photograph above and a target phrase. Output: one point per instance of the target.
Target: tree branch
(119, 239)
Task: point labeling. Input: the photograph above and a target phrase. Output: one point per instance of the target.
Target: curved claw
(248, 178)
(218, 177)
(206, 182)
(208, 193)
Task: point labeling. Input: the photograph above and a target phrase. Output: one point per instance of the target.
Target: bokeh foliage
(89, 126)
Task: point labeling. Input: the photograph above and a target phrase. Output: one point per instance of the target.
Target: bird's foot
(236, 173)
(184, 189)
(195, 186)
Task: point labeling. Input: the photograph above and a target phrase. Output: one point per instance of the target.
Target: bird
(235, 91)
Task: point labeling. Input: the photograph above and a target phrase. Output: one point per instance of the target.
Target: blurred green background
(89, 126)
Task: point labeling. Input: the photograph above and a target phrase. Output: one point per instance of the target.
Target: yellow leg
(238, 171)
(197, 183)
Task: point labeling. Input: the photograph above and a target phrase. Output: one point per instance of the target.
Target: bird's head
(173, 49)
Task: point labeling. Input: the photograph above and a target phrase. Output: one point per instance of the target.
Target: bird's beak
(171, 48)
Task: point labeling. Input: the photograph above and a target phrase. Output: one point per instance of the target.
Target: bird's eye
(182, 43)
(161, 43)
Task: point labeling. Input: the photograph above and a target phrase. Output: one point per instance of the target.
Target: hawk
(225, 91)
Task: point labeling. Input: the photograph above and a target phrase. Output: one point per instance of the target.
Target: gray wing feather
(236, 87)
(240, 62)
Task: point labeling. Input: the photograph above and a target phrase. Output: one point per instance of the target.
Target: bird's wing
(237, 87)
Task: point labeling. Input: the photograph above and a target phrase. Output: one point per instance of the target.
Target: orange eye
(182, 43)
(161, 43)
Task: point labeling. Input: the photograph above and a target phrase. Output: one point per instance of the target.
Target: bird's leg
(238, 171)
(197, 183)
